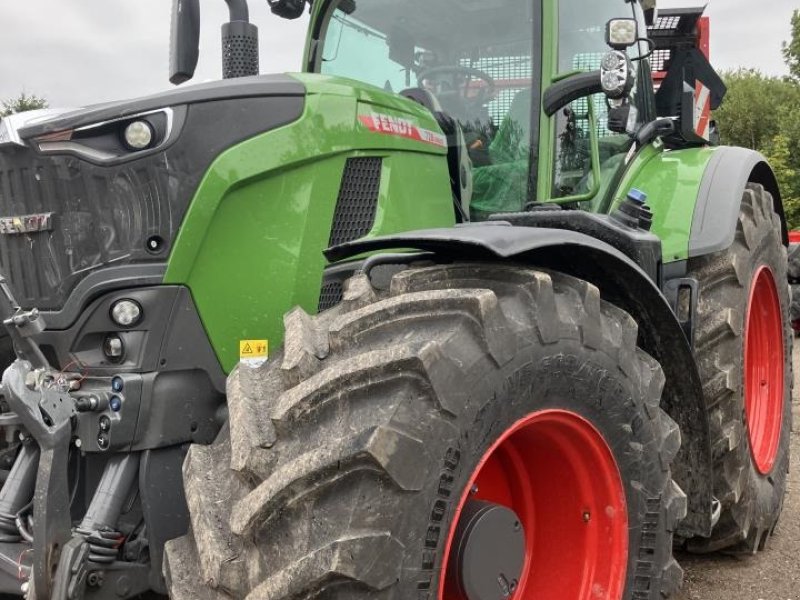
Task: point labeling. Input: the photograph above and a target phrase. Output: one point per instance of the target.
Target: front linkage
(39, 548)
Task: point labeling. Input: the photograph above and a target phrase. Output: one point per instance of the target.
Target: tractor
(466, 310)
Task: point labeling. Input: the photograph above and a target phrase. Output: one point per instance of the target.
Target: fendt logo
(396, 126)
(26, 224)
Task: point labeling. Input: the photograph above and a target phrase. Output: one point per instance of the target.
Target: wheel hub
(488, 552)
(549, 483)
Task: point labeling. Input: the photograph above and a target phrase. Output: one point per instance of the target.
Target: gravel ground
(771, 575)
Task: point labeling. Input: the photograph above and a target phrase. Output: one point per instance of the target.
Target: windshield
(474, 56)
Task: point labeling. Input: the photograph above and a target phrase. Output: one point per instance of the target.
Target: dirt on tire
(339, 473)
(750, 501)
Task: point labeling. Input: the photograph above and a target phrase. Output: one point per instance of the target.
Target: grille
(331, 294)
(358, 200)
(671, 22)
(100, 217)
(659, 61)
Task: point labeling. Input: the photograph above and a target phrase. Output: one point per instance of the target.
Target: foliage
(763, 113)
(791, 50)
(22, 103)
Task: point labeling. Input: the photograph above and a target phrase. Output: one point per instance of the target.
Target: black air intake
(239, 49)
(358, 200)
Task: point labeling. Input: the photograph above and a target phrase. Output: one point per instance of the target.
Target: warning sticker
(404, 128)
(253, 352)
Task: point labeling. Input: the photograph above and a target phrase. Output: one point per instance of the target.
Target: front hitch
(45, 405)
(39, 402)
(45, 412)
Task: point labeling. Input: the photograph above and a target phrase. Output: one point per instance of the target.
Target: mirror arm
(572, 88)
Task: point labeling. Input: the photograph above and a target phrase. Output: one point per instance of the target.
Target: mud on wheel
(743, 348)
(474, 430)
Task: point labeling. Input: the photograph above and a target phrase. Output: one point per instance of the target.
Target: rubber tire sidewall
(566, 376)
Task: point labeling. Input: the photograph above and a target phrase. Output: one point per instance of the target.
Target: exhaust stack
(239, 42)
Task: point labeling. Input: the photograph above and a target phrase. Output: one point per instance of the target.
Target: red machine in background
(677, 29)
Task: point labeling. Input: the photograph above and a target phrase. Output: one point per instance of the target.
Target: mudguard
(622, 283)
(719, 199)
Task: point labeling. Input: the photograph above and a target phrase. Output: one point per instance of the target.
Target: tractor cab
(484, 65)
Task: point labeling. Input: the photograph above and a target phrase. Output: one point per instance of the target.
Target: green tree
(791, 49)
(751, 114)
(763, 113)
(786, 170)
(22, 103)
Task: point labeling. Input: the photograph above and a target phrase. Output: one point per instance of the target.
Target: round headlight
(113, 347)
(126, 313)
(138, 135)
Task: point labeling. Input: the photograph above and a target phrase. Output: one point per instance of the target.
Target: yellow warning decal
(253, 349)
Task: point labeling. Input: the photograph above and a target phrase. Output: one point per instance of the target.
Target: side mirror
(287, 9)
(184, 40)
(615, 79)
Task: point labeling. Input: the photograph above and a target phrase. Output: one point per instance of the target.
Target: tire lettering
(433, 535)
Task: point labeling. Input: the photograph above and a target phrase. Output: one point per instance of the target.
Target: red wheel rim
(557, 473)
(763, 370)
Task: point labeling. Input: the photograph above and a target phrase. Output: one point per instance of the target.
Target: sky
(79, 52)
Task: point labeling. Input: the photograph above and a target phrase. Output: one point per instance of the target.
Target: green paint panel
(250, 247)
(671, 180)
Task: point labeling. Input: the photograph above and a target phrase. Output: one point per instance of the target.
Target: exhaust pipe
(239, 42)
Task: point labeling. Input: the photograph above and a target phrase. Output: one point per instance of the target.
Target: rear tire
(749, 478)
(348, 456)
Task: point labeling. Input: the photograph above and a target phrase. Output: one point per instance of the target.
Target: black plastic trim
(244, 87)
(719, 199)
(99, 283)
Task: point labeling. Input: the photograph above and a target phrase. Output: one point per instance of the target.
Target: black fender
(719, 199)
(621, 282)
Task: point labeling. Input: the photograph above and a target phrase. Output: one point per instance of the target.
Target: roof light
(621, 33)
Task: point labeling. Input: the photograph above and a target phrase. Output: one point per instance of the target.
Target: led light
(612, 83)
(616, 75)
(611, 61)
(117, 383)
(126, 313)
(138, 135)
(113, 347)
(115, 403)
(622, 33)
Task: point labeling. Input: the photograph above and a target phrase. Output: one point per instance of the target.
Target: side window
(573, 161)
(353, 49)
(582, 46)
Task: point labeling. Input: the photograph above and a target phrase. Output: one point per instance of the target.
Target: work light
(126, 313)
(621, 33)
(138, 135)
